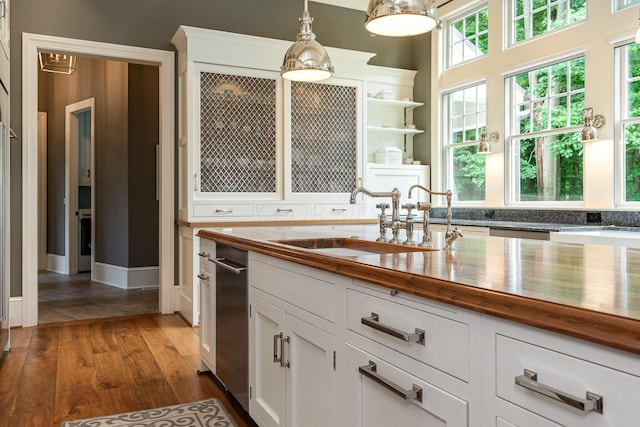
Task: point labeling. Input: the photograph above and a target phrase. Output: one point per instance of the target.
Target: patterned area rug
(209, 412)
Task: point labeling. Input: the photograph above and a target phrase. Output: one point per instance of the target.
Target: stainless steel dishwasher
(232, 323)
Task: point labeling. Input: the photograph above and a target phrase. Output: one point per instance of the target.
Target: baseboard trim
(57, 263)
(126, 278)
(15, 312)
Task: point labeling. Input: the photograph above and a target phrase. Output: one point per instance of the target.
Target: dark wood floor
(73, 370)
(64, 297)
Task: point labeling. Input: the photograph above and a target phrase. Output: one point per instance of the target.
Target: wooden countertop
(590, 292)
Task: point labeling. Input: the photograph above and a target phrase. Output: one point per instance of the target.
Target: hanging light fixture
(486, 138)
(57, 62)
(306, 60)
(401, 18)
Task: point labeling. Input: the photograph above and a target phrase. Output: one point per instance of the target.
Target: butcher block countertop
(590, 292)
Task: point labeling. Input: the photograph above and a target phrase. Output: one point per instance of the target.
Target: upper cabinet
(253, 146)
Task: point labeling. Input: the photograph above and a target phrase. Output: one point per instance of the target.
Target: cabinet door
(311, 377)
(207, 327)
(374, 405)
(266, 373)
(239, 132)
(322, 138)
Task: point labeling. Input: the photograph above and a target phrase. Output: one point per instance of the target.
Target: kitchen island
(333, 331)
(587, 291)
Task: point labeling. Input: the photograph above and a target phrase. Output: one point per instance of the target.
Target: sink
(347, 246)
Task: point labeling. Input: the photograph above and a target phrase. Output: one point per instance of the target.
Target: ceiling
(359, 4)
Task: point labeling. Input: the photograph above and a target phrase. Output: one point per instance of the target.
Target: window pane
(550, 168)
(468, 174)
(537, 17)
(469, 37)
(550, 97)
(621, 4)
(632, 162)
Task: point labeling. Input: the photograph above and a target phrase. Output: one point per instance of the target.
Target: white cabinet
(385, 177)
(536, 374)
(292, 380)
(380, 401)
(207, 313)
(292, 348)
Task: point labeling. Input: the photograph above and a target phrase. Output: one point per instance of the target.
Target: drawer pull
(592, 403)
(224, 210)
(339, 209)
(371, 371)
(203, 277)
(204, 254)
(284, 210)
(374, 322)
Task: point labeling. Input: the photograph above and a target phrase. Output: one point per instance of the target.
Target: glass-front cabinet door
(322, 138)
(239, 132)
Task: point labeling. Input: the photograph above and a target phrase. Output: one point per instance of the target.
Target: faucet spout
(393, 194)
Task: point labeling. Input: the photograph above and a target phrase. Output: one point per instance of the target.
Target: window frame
(448, 40)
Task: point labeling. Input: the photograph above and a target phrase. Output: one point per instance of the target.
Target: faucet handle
(382, 206)
(423, 206)
(409, 207)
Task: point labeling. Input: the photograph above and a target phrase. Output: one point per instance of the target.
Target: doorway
(80, 187)
(32, 44)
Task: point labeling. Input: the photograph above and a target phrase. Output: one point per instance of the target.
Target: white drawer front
(569, 376)
(207, 251)
(306, 292)
(446, 341)
(371, 404)
(222, 210)
(338, 210)
(284, 210)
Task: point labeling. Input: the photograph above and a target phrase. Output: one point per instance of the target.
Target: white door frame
(71, 219)
(31, 44)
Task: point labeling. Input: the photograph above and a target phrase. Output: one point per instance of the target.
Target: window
(532, 18)
(465, 114)
(629, 66)
(621, 4)
(547, 152)
(468, 37)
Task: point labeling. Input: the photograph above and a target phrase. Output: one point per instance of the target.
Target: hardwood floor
(73, 370)
(74, 297)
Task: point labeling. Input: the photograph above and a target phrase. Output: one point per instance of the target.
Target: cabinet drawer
(571, 378)
(284, 210)
(338, 210)
(207, 251)
(309, 293)
(222, 210)
(446, 341)
(371, 403)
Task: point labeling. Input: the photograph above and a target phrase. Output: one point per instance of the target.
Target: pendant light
(306, 60)
(401, 18)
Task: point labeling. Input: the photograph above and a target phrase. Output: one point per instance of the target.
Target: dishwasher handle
(229, 265)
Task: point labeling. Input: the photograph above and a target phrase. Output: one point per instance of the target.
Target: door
(311, 376)
(266, 364)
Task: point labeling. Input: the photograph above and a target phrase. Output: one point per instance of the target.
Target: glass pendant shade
(57, 63)
(306, 60)
(401, 18)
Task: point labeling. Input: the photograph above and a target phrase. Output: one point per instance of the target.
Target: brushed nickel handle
(284, 210)
(284, 364)
(592, 403)
(224, 210)
(203, 277)
(374, 322)
(228, 265)
(339, 209)
(204, 254)
(371, 371)
(277, 359)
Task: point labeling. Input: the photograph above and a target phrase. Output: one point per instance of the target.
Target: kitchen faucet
(451, 234)
(395, 224)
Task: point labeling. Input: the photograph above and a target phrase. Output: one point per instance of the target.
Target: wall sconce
(591, 123)
(57, 62)
(486, 139)
(306, 60)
